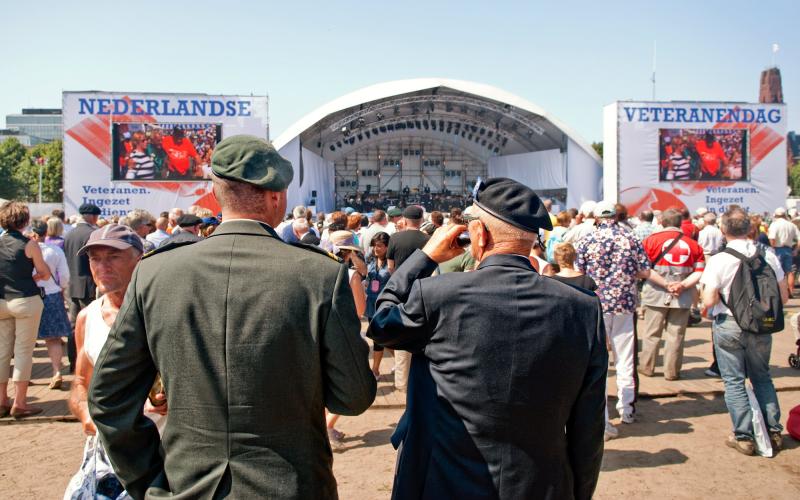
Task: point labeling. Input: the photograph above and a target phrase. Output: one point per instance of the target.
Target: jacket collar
(245, 226)
(506, 260)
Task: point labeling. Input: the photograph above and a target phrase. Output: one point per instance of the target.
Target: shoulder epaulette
(169, 246)
(316, 249)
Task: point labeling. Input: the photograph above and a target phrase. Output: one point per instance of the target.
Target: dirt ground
(675, 450)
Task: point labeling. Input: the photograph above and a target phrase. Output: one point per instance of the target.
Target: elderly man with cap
(395, 216)
(507, 386)
(81, 284)
(615, 259)
(253, 337)
(189, 233)
(783, 237)
(113, 252)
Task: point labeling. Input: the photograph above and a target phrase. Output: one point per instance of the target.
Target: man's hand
(161, 409)
(676, 288)
(443, 246)
(88, 428)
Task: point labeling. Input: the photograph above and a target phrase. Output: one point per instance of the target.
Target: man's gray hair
(671, 218)
(501, 230)
(299, 212)
(736, 223)
(710, 218)
(138, 217)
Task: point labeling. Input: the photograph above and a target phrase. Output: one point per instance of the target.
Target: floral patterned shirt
(612, 256)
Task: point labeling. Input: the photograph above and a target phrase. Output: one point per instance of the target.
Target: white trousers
(402, 365)
(619, 330)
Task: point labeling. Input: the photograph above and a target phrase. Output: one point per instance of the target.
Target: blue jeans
(743, 354)
(784, 255)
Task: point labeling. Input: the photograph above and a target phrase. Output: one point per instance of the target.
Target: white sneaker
(610, 433)
(627, 418)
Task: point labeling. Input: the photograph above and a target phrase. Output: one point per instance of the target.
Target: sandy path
(676, 450)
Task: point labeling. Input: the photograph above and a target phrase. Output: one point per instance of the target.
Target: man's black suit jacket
(81, 284)
(506, 393)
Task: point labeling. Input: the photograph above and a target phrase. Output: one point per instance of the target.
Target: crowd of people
(433, 286)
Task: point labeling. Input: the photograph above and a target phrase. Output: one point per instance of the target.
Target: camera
(463, 239)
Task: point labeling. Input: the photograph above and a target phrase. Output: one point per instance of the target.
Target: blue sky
(571, 58)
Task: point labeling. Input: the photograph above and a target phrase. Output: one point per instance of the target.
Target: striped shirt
(144, 168)
(680, 167)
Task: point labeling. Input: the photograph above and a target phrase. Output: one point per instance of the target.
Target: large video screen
(704, 154)
(163, 151)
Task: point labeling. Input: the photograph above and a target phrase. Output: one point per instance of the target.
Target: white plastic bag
(760, 433)
(83, 484)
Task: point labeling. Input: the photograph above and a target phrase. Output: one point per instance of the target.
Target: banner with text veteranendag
(661, 155)
(101, 130)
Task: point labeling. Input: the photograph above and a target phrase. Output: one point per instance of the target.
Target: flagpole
(41, 161)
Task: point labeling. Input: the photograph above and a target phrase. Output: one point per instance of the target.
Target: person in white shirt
(783, 237)
(160, 234)
(575, 234)
(710, 237)
(54, 323)
(741, 354)
(380, 224)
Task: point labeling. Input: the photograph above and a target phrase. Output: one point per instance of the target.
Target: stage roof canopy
(480, 120)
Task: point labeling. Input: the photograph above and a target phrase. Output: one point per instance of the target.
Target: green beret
(246, 158)
(394, 212)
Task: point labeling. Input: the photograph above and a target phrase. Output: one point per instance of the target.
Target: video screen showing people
(703, 154)
(163, 151)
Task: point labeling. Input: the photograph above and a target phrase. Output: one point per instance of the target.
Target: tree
(27, 173)
(598, 148)
(794, 179)
(12, 153)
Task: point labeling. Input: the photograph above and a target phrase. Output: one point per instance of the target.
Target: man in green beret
(253, 338)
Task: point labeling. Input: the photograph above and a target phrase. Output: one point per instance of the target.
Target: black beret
(246, 158)
(412, 212)
(189, 220)
(512, 202)
(89, 209)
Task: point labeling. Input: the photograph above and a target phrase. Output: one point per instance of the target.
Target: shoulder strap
(669, 247)
(735, 253)
(316, 249)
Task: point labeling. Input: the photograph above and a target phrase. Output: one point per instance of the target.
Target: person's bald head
(162, 223)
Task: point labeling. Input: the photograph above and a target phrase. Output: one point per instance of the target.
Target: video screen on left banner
(163, 151)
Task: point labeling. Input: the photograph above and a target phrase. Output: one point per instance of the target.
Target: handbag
(83, 485)
(763, 444)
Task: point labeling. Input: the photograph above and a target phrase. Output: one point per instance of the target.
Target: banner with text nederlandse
(151, 151)
(661, 155)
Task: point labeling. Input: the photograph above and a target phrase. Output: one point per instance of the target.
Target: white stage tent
(434, 135)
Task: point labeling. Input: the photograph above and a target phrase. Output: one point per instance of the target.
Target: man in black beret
(189, 233)
(254, 339)
(81, 284)
(506, 394)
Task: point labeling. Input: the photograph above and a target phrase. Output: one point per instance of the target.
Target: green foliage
(19, 171)
(27, 172)
(598, 148)
(12, 153)
(794, 179)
